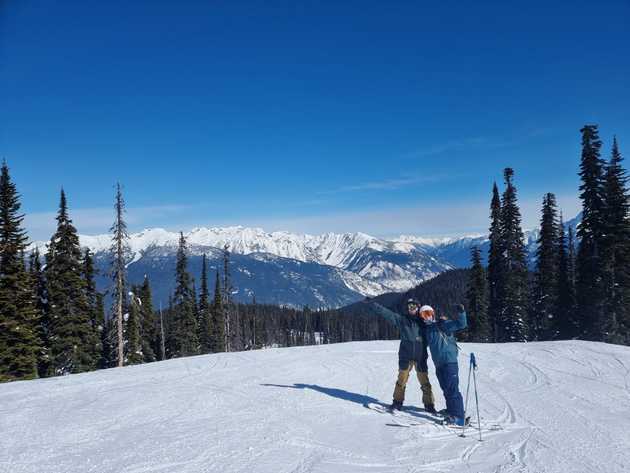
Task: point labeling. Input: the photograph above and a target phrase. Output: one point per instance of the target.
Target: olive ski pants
(423, 377)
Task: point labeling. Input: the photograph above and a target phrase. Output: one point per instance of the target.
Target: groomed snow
(564, 407)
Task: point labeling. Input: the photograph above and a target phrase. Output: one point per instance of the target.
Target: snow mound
(562, 406)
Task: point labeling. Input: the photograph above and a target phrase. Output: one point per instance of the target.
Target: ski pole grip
(473, 360)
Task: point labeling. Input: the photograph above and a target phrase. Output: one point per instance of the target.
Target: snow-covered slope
(563, 407)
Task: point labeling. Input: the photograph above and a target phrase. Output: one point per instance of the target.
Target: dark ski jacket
(412, 343)
(441, 340)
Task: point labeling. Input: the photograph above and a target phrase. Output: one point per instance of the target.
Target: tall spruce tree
(205, 312)
(42, 309)
(106, 359)
(91, 295)
(71, 334)
(183, 330)
(565, 326)
(119, 249)
(590, 258)
(150, 328)
(545, 291)
(19, 341)
(513, 285)
(616, 251)
(133, 340)
(226, 299)
(477, 295)
(495, 265)
(218, 322)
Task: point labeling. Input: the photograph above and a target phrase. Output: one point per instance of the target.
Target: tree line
(53, 320)
(580, 283)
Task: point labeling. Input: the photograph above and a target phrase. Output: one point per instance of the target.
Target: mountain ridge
(326, 270)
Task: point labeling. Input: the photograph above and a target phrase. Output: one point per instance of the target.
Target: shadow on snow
(356, 398)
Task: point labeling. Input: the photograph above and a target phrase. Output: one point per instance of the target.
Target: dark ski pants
(425, 385)
(448, 376)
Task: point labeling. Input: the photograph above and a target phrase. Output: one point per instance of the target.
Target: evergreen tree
(205, 313)
(183, 331)
(513, 286)
(133, 340)
(119, 249)
(106, 359)
(227, 300)
(616, 251)
(19, 340)
(495, 264)
(565, 326)
(42, 309)
(71, 334)
(218, 323)
(149, 324)
(590, 262)
(545, 293)
(477, 295)
(91, 295)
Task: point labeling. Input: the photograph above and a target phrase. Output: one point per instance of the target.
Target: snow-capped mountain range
(325, 270)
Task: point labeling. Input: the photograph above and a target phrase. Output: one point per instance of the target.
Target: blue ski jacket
(441, 340)
(412, 342)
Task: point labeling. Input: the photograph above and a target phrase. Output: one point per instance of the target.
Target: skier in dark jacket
(440, 338)
(412, 352)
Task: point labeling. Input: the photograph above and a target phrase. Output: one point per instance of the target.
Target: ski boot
(396, 406)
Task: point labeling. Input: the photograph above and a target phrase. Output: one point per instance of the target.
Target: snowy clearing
(563, 406)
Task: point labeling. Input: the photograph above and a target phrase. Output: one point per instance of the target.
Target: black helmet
(412, 301)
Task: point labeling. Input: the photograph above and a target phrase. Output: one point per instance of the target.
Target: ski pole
(473, 362)
(467, 391)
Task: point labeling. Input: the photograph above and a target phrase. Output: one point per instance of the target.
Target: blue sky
(381, 117)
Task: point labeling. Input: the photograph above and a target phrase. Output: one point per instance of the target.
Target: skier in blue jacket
(439, 334)
(412, 352)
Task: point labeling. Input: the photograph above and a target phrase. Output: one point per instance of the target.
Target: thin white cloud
(443, 219)
(385, 184)
(477, 142)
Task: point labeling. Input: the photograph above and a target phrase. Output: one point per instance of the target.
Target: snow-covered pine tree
(477, 298)
(217, 343)
(616, 252)
(565, 324)
(42, 309)
(495, 265)
(542, 321)
(91, 295)
(227, 300)
(513, 285)
(149, 324)
(71, 333)
(183, 328)
(205, 313)
(19, 335)
(105, 330)
(119, 249)
(133, 340)
(590, 262)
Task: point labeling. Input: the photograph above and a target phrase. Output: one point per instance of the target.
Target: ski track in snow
(562, 406)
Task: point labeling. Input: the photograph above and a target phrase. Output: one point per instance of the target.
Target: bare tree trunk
(119, 321)
(226, 297)
(119, 249)
(162, 343)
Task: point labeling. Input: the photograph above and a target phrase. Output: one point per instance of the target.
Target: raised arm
(455, 325)
(389, 315)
